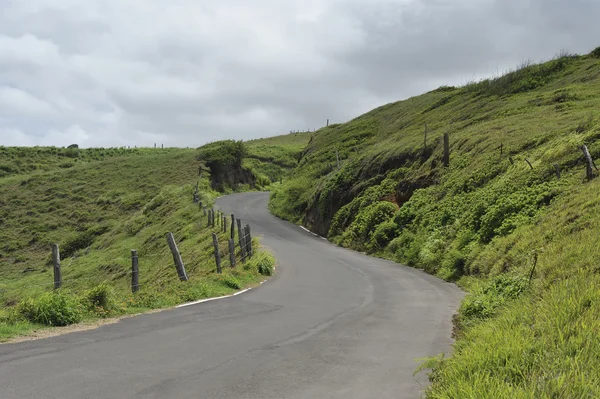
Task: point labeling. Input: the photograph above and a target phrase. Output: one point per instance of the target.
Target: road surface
(332, 323)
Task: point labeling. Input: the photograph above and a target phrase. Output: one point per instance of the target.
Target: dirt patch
(48, 332)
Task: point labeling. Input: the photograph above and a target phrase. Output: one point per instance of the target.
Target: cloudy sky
(186, 72)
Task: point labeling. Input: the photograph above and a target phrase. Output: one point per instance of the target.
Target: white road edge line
(215, 298)
(314, 234)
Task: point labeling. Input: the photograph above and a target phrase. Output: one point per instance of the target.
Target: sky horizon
(116, 74)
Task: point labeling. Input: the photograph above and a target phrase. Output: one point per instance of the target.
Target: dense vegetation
(255, 164)
(519, 238)
(98, 210)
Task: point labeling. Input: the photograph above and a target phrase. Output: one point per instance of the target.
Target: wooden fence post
(446, 159)
(232, 226)
(589, 171)
(224, 223)
(217, 254)
(327, 121)
(231, 253)
(337, 158)
(135, 273)
(248, 241)
(56, 262)
(529, 163)
(242, 240)
(425, 138)
(177, 257)
(557, 170)
(500, 148)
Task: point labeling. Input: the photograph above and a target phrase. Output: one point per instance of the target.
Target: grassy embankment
(488, 221)
(98, 209)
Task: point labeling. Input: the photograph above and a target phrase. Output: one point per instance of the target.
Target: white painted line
(241, 292)
(215, 298)
(305, 229)
(202, 301)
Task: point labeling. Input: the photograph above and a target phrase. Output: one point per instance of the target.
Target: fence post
(248, 241)
(204, 210)
(446, 150)
(231, 253)
(135, 285)
(217, 255)
(425, 138)
(232, 226)
(557, 170)
(56, 262)
(529, 163)
(589, 172)
(177, 257)
(224, 223)
(242, 240)
(337, 158)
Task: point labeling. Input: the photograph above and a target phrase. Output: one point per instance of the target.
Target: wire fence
(229, 252)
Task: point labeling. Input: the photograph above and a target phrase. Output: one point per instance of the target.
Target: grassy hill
(519, 238)
(97, 209)
(274, 157)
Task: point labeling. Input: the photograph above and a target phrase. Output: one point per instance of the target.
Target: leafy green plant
(58, 308)
(483, 303)
(101, 300)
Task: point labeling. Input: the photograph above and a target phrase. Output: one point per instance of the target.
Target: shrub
(230, 281)
(453, 265)
(57, 308)
(383, 234)
(100, 300)
(370, 217)
(263, 262)
(483, 303)
(596, 52)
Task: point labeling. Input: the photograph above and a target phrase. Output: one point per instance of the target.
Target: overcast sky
(186, 72)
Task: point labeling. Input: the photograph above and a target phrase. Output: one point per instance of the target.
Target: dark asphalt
(332, 323)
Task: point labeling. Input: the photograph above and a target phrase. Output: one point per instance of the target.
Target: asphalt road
(332, 323)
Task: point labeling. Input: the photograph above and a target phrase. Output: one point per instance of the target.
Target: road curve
(332, 323)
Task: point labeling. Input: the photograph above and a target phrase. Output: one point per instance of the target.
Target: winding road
(332, 323)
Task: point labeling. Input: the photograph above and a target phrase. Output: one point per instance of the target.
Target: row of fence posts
(215, 218)
(590, 165)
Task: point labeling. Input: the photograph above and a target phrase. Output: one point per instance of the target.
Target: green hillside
(274, 157)
(517, 237)
(97, 210)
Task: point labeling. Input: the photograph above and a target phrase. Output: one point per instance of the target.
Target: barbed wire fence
(228, 252)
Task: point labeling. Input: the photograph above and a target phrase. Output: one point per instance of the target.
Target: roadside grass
(488, 222)
(99, 212)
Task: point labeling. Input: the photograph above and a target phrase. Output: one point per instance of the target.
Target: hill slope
(498, 219)
(97, 211)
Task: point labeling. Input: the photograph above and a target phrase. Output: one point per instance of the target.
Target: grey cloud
(108, 73)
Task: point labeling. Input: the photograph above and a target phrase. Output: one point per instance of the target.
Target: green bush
(57, 308)
(483, 303)
(263, 262)
(266, 264)
(596, 52)
(453, 265)
(230, 281)
(370, 217)
(383, 234)
(101, 300)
